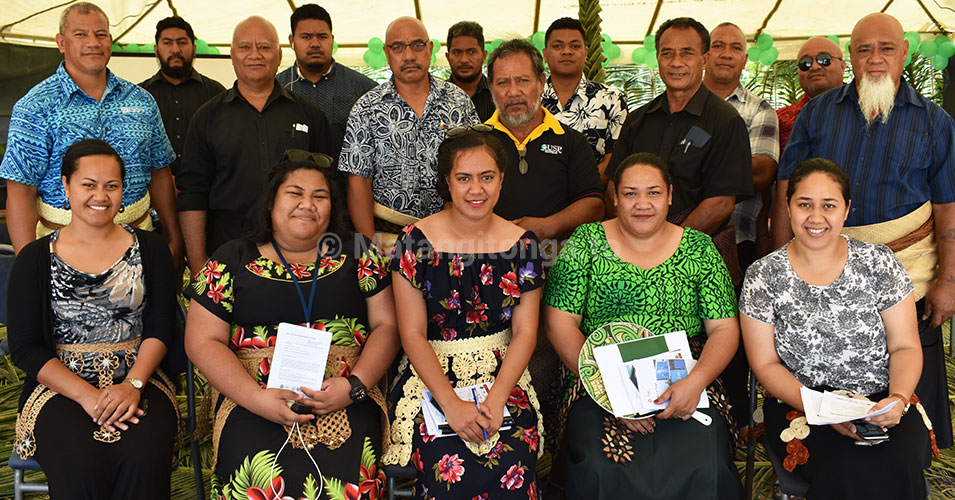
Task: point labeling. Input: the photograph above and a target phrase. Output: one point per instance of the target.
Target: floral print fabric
(830, 335)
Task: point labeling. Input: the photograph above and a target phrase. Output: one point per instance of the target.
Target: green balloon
(764, 41)
(367, 56)
(753, 53)
(334, 47)
(947, 49)
(908, 59)
(379, 61)
(928, 48)
(650, 42)
(834, 39)
(132, 47)
(116, 48)
(939, 62)
(606, 38)
(376, 44)
(538, 40)
(940, 39)
(651, 60)
(496, 43)
(147, 48)
(612, 52)
(639, 54)
(768, 56)
(913, 37)
(436, 46)
(433, 59)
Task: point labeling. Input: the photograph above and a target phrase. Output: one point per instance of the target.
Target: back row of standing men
(564, 136)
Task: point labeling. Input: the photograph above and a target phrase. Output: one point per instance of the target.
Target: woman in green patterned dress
(641, 269)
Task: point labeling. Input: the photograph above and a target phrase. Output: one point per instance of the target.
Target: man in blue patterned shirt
(393, 133)
(896, 147)
(83, 100)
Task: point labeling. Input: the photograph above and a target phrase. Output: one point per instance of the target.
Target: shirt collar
(297, 75)
(69, 86)
(739, 93)
(694, 107)
(159, 78)
(277, 91)
(550, 122)
(582, 84)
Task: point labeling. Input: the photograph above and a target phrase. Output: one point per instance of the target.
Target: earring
(122, 209)
(66, 204)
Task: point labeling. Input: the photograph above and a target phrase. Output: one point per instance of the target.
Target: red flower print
(359, 338)
(236, 340)
(215, 292)
(509, 284)
(381, 269)
(273, 492)
(518, 398)
(439, 319)
(364, 268)
(408, 261)
(532, 492)
(300, 271)
(514, 478)
(482, 496)
(318, 325)
(423, 430)
(496, 450)
(254, 342)
(530, 437)
(451, 470)
(436, 260)
(449, 333)
(343, 369)
(456, 265)
(486, 274)
(255, 268)
(211, 272)
(265, 366)
(454, 301)
(407, 229)
(416, 460)
(325, 263)
(372, 481)
(351, 491)
(476, 316)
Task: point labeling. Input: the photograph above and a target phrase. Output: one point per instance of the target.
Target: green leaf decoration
(253, 472)
(334, 489)
(310, 488)
(589, 14)
(368, 455)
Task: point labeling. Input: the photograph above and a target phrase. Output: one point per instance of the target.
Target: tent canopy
(627, 22)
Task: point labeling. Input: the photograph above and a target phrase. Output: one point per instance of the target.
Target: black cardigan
(30, 313)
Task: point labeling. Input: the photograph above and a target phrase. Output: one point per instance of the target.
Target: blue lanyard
(298, 287)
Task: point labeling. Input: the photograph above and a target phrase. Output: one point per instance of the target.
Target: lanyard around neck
(307, 309)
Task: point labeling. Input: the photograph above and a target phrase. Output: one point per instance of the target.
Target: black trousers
(933, 386)
(79, 467)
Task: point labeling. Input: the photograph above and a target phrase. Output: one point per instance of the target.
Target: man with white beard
(896, 147)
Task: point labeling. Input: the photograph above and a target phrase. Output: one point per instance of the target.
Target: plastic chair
(20, 466)
(395, 472)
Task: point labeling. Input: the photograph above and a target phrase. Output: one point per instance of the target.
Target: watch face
(138, 384)
(358, 393)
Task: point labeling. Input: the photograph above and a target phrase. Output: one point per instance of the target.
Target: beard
(517, 119)
(176, 71)
(876, 98)
(317, 67)
(466, 79)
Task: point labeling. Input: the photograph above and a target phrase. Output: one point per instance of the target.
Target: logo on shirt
(300, 127)
(127, 109)
(551, 149)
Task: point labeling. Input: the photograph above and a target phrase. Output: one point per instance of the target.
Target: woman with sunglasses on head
(830, 312)
(467, 290)
(90, 315)
(638, 268)
(298, 266)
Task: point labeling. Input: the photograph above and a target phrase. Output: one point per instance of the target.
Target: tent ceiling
(355, 22)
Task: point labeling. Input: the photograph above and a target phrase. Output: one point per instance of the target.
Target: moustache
(410, 65)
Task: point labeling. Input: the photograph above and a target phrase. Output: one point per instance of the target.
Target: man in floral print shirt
(591, 108)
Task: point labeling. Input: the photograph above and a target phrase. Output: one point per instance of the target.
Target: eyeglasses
(823, 58)
(460, 129)
(298, 155)
(416, 45)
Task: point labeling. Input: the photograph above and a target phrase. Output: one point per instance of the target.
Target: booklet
(824, 408)
(437, 424)
(637, 372)
(299, 358)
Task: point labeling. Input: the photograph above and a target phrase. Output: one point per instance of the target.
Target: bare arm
(780, 228)
(162, 191)
(524, 322)
(602, 168)
(207, 344)
(21, 214)
(361, 205)
(905, 357)
(563, 331)
(764, 172)
(710, 214)
(759, 339)
(940, 299)
(194, 233)
(561, 224)
(412, 328)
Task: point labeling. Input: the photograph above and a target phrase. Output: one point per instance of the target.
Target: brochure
(824, 408)
(637, 372)
(299, 358)
(437, 424)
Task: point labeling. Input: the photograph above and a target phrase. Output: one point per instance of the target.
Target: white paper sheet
(299, 359)
(830, 408)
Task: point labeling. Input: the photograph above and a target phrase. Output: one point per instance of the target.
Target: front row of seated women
(91, 315)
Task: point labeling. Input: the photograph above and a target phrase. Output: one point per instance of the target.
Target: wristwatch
(358, 391)
(135, 382)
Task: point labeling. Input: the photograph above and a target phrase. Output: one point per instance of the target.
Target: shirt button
(178, 155)
(178, 137)
(177, 118)
(177, 101)
(106, 129)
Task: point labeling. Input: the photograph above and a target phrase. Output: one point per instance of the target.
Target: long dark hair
(452, 146)
(89, 147)
(261, 231)
(823, 166)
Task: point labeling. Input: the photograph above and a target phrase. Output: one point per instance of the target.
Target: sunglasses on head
(460, 129)
(823, 58)
(298, 155)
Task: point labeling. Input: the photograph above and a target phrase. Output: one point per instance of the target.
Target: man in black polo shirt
(551, 183)
(701, 137)
(237, 137)
(178, 88)
(466, 56)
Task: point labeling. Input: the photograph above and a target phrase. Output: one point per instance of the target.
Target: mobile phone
(300, 409)
(870, 431)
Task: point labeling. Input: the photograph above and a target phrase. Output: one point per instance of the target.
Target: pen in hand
(478, 406)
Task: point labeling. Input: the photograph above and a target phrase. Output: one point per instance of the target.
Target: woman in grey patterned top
(830, 312)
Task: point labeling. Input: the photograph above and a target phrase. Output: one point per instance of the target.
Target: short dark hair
(820, 165)
(261, 227)
(516, 46)
(466, 28)
(311, 11)
(685, 23)
(648, 159)
(452, 147)
(89, 147)
(565, 23)
(174, 22)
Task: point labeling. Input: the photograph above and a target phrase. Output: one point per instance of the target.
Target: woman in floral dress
(467, 290)
(240, 296)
